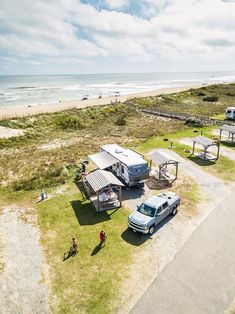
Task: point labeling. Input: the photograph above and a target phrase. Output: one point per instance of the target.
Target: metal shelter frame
(101, 181)
(163, 160)
(206, 143)
(231, 131)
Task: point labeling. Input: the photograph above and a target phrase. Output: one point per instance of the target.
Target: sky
(105, 36)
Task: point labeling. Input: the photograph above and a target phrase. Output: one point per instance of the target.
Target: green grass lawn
(223, 168)
(90, 281)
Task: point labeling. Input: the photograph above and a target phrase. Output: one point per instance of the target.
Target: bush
(200, 94)
(194, 122)
(46, 180)
(211, 98)
(69, 122)
(121, 121)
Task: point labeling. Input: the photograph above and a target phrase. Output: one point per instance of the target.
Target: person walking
(72, 251)
(103, 238)
(74, 247)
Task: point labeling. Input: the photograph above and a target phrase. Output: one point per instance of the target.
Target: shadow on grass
(137, 238)
(200, 162)
(87, 215)
(82, 189)
(96, 249)
(228, 144)
(134, 238)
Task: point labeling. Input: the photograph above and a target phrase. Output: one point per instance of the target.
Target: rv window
(228, 111)
(122, 169)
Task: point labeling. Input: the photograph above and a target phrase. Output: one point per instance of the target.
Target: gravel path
(22, 289)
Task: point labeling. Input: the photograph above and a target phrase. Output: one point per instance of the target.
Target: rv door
(125, 173)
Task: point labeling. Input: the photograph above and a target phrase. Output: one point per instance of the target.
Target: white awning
(103, 160)
(100, 179)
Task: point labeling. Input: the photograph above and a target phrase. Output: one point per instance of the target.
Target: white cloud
(117, 4)
(169, 32)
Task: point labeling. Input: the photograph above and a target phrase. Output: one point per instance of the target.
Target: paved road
(201, 278)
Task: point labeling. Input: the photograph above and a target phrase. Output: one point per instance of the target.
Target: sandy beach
(23, 111)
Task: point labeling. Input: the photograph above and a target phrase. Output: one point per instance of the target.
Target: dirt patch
(57, 143)
(8, 132)
(22, 284)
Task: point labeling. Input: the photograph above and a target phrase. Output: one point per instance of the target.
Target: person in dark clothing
(103, 238)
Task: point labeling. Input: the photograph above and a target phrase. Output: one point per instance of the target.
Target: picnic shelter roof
(161, 158)
(229, 128)
(204, 141)
(100, 179)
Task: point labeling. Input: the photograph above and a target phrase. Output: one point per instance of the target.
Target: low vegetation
(48, 155)
(55, 144)
(207, 100)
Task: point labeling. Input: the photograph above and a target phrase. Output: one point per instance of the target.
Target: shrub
(211, 98)
(121, 121)
(200, 94)
(46, 180)
(69, 122)
(194, 122)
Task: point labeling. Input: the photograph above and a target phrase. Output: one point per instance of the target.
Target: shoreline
(26, 111)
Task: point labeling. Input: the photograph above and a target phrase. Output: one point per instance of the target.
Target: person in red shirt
(103, 238)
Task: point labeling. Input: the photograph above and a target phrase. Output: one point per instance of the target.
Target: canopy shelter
(104, 189)
(164, 161)
(103, 160)
(206, 143)
(231, 131)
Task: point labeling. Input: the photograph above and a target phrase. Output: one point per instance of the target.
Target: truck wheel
(174, 211)
(151, 230)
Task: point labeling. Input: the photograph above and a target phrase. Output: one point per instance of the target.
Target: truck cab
(230, 113)
(150, 213)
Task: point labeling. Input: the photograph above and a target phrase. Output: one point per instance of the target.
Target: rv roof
(125, 155)
(230, 108)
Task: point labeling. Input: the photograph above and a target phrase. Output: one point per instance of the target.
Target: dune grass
(69, 137)
(193, 102)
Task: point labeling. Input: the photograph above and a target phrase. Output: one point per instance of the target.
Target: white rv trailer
(131, 168)
(230, 113)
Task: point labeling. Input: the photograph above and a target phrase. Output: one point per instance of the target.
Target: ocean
(16, 90)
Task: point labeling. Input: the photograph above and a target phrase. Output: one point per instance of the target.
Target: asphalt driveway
(201, 278)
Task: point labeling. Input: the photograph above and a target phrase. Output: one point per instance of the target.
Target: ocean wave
(23, 87)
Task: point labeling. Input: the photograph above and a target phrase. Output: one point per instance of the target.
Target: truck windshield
(146, 210)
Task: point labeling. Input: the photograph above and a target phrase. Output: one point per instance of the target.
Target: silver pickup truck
(150, 213)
